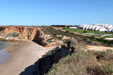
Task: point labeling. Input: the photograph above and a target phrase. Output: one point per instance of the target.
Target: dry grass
(83, 63)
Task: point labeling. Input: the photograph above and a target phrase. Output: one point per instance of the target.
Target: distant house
(73, 27)
(97, 27)
(108, 38)
(102, 29)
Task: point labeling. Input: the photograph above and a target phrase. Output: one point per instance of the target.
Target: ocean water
(3, 44)
(4, 55)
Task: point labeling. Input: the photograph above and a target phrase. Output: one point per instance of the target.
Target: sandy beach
(22, 55)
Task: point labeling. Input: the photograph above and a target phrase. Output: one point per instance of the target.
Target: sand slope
(22, 56)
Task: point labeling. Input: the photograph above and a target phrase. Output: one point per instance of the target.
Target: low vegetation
(94, 35)
(84, 63)
(81, 38)
(55, 32)
(105, 55)
(102, 40)
(85, 31)
(14, 34)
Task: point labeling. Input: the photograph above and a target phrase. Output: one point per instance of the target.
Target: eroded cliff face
(35, 34)
(20, 33)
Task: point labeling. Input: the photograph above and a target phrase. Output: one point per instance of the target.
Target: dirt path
(98, 48)
(22, 56)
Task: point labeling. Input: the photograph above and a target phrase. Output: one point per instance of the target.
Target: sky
(49, 12)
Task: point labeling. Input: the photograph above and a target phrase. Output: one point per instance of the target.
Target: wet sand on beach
(23, 54)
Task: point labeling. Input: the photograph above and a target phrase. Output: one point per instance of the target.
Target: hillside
(73, 53)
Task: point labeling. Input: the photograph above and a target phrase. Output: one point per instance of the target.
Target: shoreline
(1, 39)
(22, 55)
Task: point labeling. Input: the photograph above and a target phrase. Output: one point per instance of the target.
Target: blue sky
(48, 12)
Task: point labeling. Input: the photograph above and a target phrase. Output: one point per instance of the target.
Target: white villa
(98, 27)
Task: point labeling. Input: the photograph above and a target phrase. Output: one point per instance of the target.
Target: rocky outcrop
(27, 33)
(22, 33)
(35, 34)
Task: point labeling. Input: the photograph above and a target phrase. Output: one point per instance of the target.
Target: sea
(4, 55)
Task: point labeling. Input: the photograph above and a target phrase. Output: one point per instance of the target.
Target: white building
(73, 27)
(98, 27)
(102, 29)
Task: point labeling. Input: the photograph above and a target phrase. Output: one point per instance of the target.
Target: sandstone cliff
(23, 32)
(35, 34)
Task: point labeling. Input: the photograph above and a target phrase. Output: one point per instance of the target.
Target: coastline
(4, 56)
(12, 40)
(23, 54)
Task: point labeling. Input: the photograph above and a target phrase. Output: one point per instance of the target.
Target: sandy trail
(22, 56)
(98, 48)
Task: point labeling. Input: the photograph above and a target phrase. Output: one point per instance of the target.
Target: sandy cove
(23, 54)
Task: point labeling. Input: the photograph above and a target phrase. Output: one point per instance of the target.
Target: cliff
(20, 33)
(45, 64)
(35, 34)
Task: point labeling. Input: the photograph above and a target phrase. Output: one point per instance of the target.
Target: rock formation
(23, 33)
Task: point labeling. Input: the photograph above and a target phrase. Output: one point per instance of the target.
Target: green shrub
(95, 70)
(92, 37)
(59, 38)
(70, 65)
(100, 55)
(83, 63)
(89, 42)
(49, 40)
(49, 53)
(14, 34)
(108, 68)
(102, 40)
(68, 69)
(67, 40)
(55, 32)
(85, 32)
(82, 56)
(72, 40)
(104, 55)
